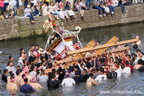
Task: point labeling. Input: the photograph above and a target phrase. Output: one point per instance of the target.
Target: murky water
(133, 84)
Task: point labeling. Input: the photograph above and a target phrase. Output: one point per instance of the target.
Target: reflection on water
(133, 82)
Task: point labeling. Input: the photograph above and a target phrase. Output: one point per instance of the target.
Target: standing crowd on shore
(32, 68)
(59, 8)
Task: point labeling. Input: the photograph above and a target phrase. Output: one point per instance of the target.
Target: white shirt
(101, 78)
(27, 13)
(52, 8)
(20, 62)
(6, 1)
(45, 9)
(33, 73)
(126, 70)
(68, 82)
(119, 71)
(43, 78)
(13, 2)
(11, 68)
(33, 1)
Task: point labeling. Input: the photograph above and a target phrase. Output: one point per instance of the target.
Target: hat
(137, 37)
(33, 79)
(28, 6)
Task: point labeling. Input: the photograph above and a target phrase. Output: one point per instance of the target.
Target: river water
(134, 84)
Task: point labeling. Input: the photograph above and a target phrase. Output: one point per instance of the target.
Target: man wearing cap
(27, 13)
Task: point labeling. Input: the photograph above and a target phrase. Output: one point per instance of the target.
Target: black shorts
(17, 4)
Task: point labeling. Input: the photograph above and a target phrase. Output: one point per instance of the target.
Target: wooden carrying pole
(71, 59)
(102, 46)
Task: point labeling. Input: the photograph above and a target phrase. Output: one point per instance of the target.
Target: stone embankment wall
(21, 27)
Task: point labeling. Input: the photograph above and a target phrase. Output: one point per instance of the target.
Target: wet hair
(42, 71)
(88, 59)
(140, 61)
(119, 60)
(122, 66)
(138, 50)
(77, 72)
(134, 55)
(90, 75)
(129, 56)
(10, 56)
(79, 61)
(12, 75)
(21, 54)
(23, 75)
(31, 45)
(32, 67)
(54, 58)
(135, 46)
(37, 45)
(101, 69)
(26, 80)
(126, 45)
(38, 65)
(10, 62)
(18, 71)
(85, 71)
(127, 62)
(52, 76)
(112, 58)
(44, 2)
(98, 42)
(18, 66)
(5, 70)
(116, 57)
(53, 70)
(21, 49)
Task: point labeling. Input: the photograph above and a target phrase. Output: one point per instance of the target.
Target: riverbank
(21, 27)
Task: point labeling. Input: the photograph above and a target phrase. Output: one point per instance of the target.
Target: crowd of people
(31, 68)
(60, 9)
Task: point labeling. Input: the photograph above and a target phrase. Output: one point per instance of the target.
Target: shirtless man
(11, 85)
(137, 44)
(18, 78)
(26, 70)
(90, 81)
(34, 84)
(137, 66)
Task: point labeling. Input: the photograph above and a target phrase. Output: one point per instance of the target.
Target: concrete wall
(21, 27)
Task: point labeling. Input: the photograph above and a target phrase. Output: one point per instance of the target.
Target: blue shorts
(5, 6)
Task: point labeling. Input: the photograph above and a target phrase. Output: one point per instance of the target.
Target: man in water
(4, 75)
(34, 84)
(102, 77)
(26, 70)
(10, 59)
(11, 85)
(26, 88)
(68, 81)
(19, 80)
(137, 66)
(90, 81)
(10, 67)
